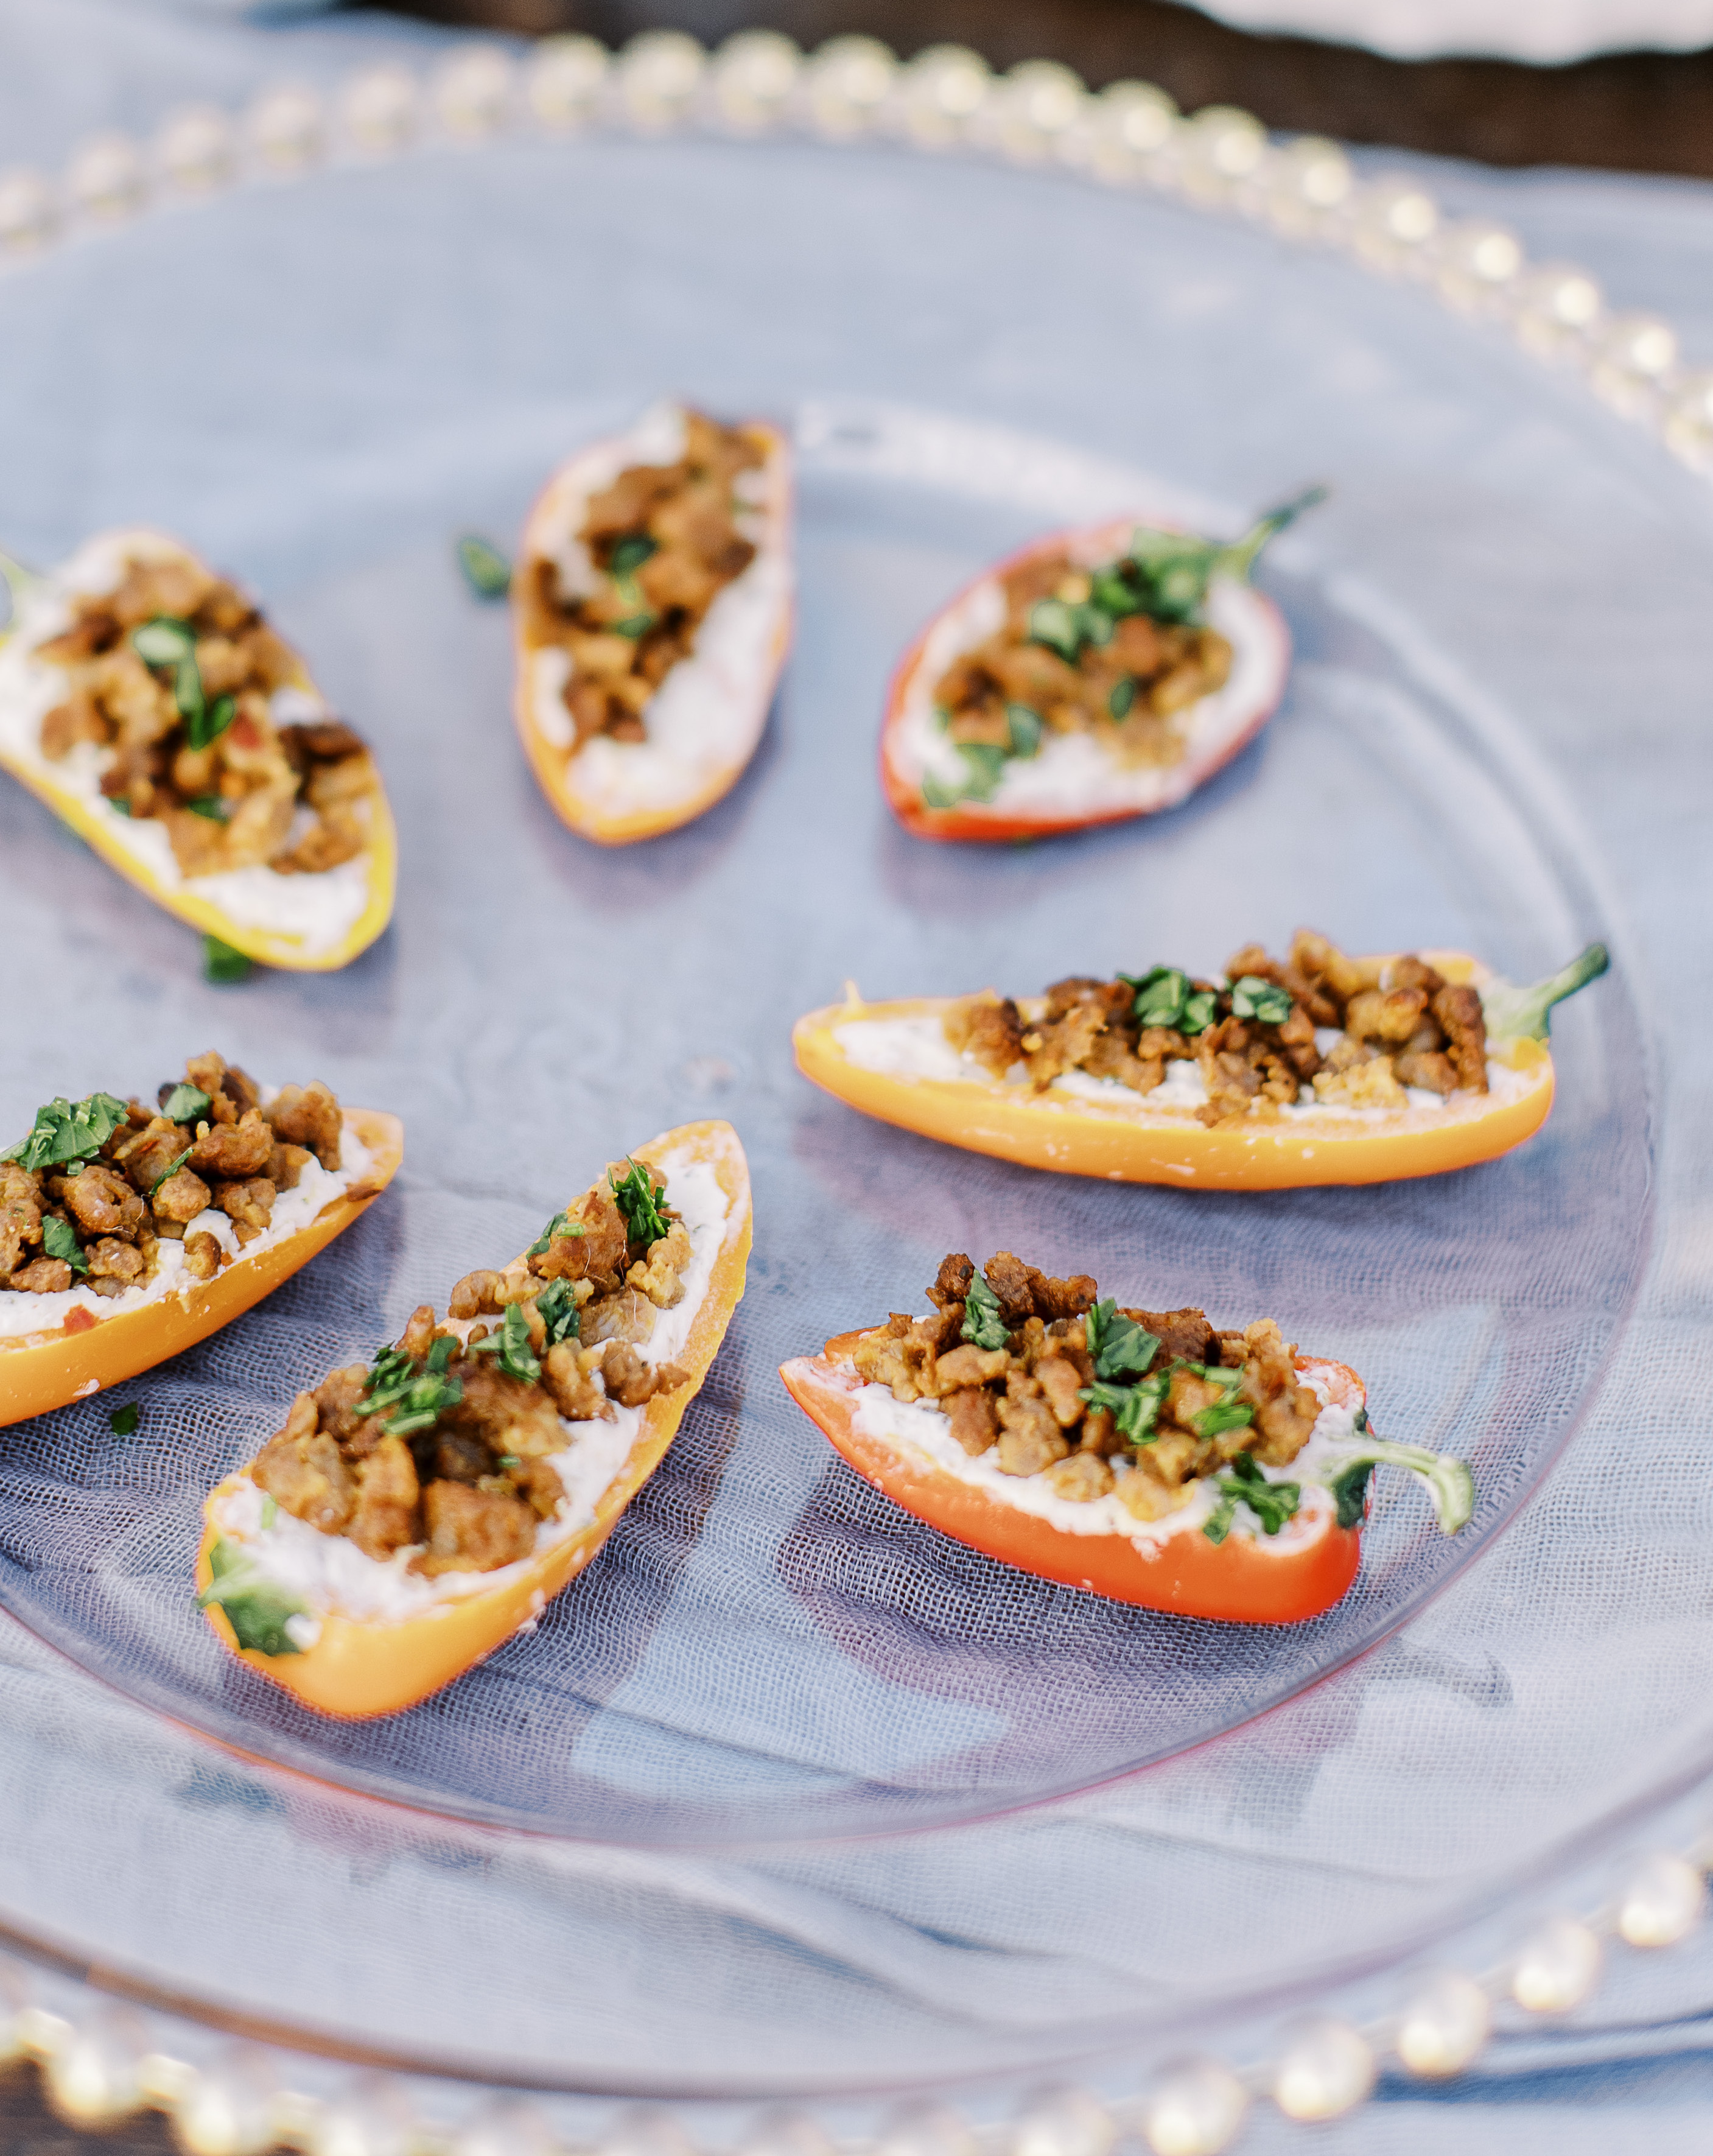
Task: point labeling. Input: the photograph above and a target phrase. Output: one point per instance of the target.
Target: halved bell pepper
(1021, 767)
(704, 717)
(41, 1371)
(294, 938)
(1126, 1140)
(357, 1667)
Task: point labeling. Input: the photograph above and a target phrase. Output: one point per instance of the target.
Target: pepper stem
(1446, 1478)
(1238, 559)
(1514, 1014)
(17, 580)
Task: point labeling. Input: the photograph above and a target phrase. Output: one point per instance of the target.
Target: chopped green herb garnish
(1025, 728)
(1173, 569)
(58, 1240)
(211, 805)
(629, 553)
(165, 641)
(634, 1192)
(1265, 1001)
(1161, 995)
(170, 1169)
(186, 1104)
(486, 570)
(204, 724)
(1272, 1503)
(561, 1224)
(1121, 1347)
(420, 1400)
(1350, 1490)
(257, 1608)
(984, 766)
(983, 1327)
(1514, 1014)
(1221, 1416)
(119, 804)
(634, 625)
(123, 1421)
(511, 1344)
(221, 962)
(557, 1304)
(507, 1459)
(1135, 1409)
(67, 1131)
(1123, 696)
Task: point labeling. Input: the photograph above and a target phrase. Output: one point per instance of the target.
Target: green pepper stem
(1525, 1014)
(1446, 1478)
(1240, 559)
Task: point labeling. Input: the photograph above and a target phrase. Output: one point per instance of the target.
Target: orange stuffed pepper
(414, 1514)
(1144, 1455)
(1319, 1068)
(1093, 676)
(651, 605)
(129, 1233)
(149, 704)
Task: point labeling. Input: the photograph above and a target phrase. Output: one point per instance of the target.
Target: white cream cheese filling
(1073, 774)
(24, 1314)
(915, 1047)
(333, 1577)
(914, 1427)
(319, 911)
(707, 716)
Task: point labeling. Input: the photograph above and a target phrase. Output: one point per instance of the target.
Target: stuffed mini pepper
(128, 1233)
(413, 1512)
(1146, 1456)
(1315, 1068)
(1095, 676)
(652, 603)
(148, 702)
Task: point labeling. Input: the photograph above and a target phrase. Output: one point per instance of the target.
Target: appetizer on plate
(1319, 1068)
(652, 603)
(413, 1513)
(128, 1233)
(1095, 676)
(149, 704)
(1146, 1455)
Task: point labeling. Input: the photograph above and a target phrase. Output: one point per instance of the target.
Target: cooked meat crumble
(1256, 1035)
(94, 1189)
(172, 675)
(446, 1443)
(662, 542)
(1095, 1399)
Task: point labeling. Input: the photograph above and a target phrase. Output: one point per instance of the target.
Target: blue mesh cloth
(787, 1760)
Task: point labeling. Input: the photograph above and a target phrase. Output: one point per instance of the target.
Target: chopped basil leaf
(511, 1344)
(1350, 1490)
(507, 1459)
(1161, 995)
(1121, 1347)
(184, 1104)
(168, 1173)
(222, 962)
(1026, 729)
(634, 625)
(203, 726)
(558, 1307)
(1199, 1012)
(1056, 625)
(256, 1607)
(1251, 996)
(982, 1325)
(485, 569)
(629, 553)
(119, 804)
(68, 1131)
(211, 805)
(1124, 694)
(440, 1355)
(188, 695)
(124, 1420)
(1135, 1409)
(1221, 1415)
(1272, 1503)
(60, 1241)
(393, 1383)
(634, 1194)
(164, 641)
(560, 1225)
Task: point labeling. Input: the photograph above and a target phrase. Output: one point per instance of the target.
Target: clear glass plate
(321, 388)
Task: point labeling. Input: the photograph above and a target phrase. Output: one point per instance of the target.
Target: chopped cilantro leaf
(257, 1608)
(393, 1382)
(511, 1345)
(629, 553)
(1026, 729)
(124, 1420)
(164, 641)
(634, 1192)
(1121, 1347)
(1251, 996)
(560, 1224)
(1123, 695)
(485, 569)
(222, 963)
(65, 1132)
(558, 1306)
(440, 1355)
(982, 1325)
(184, 1104)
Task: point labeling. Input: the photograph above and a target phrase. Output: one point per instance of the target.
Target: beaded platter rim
(100, 2063)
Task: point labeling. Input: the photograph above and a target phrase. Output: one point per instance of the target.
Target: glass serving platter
(767, 1652)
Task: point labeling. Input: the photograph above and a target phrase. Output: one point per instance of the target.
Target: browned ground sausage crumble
(1094, 1398)
(664, 542)
(1252, 1035)
(100, 1220)
(447, 1441)
(234, 789)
